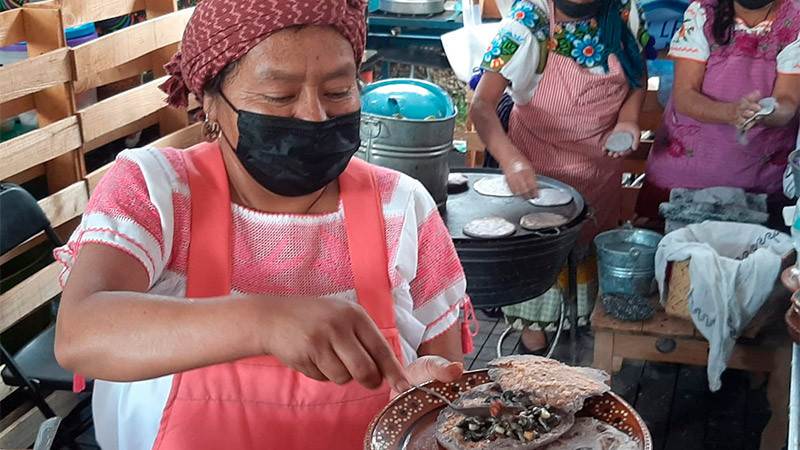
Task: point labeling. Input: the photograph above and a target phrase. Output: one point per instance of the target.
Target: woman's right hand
(329, 340)
(744, 109)
(521, 178)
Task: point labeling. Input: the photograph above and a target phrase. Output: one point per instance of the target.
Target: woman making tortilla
(229, 293)
(574, 71)
(728, 56)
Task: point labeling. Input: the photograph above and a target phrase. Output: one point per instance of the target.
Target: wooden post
(44, 33)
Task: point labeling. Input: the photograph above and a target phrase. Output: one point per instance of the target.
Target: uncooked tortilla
(619, 142)
(489, 228)
(552, 197)
(493, 187)
(542, 220)
(589, 433)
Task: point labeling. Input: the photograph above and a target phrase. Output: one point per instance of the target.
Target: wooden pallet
(652, 339)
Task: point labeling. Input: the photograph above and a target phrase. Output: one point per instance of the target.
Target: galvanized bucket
(626, 261)
(418, 148)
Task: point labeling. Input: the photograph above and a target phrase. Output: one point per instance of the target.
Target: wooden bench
(669, 339)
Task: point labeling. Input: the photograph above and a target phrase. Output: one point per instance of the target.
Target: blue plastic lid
(408, 99)
(80, 31)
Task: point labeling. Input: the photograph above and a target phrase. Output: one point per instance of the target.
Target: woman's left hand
(627, 127)
(429, 368)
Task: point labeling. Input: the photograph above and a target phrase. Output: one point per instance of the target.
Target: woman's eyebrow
(277, 74)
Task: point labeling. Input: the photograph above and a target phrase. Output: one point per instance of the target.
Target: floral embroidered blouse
(523, 41)
(690, 42)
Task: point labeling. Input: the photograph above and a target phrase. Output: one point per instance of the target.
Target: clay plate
(409, 421)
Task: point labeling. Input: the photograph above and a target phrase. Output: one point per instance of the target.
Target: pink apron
(258, 402)
(695, 155)
(563, 129)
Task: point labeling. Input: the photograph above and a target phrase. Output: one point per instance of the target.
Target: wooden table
(669, 339)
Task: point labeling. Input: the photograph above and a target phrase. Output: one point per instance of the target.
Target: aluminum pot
(412, 7)
(417, 147)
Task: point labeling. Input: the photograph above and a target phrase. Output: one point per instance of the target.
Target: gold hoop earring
(211, 130)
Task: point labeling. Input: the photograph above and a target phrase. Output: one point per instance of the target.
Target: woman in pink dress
(261, 289)
(729, 54)
(575, 72)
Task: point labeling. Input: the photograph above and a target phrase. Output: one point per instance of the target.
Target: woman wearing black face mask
(729, 55)
(261, 289)
(575, 72)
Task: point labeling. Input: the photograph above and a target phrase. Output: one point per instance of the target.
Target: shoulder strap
(210, 261)
(366, 240)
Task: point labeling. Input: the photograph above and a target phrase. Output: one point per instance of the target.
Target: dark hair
(723, 22)
(216, 83)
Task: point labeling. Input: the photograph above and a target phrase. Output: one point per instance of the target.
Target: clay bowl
(409, 421)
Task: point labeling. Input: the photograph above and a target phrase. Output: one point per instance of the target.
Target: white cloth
(690, 41)
(733, 270)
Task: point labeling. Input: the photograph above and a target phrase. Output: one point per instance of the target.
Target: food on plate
(589, 433)
(489, 228)
(550, 393)
(495, 186)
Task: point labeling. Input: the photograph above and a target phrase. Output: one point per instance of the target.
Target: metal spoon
(767, 105)
(470, 411)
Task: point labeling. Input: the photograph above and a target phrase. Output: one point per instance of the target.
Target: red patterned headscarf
(222, 31)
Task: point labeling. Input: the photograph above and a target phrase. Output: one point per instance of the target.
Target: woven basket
(678, 295)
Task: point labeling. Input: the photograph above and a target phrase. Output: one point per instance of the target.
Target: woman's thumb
(438, 368)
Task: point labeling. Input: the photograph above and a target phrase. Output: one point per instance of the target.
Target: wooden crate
(125, 54)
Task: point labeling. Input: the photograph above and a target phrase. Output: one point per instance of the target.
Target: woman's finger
(358, 362)
(308, 369)
(331, 366)
(383, 356)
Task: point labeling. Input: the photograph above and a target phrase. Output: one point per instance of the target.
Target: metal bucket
(794, 158)
(626, 261)
(418, 148)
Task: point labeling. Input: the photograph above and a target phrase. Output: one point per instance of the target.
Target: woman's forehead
(300, 53)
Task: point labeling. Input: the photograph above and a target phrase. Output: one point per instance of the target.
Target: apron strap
(210, 258)
(366, 240)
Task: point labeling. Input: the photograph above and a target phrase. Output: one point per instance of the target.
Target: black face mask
(293, 157)
(754, 4)
(578, 10)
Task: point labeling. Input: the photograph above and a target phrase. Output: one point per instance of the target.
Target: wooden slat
(22, 248)
(120, 133)
(77, 12)
(27, 175)
(34, 74)
(39, 146)
(12, 29)
(692, 351)
(22, 433)
(130, 69)
(23, 299)
(16, 107)
(123, 109)
(181, 139)
(44, 30)
(93, 179)
(129, 44)
(65, 204)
